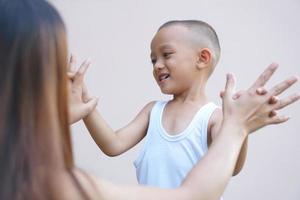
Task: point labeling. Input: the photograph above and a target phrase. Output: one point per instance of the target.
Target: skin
(182, 71)
(188, 69)
(78, 106)
(209, 177)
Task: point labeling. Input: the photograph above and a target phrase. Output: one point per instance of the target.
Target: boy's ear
(204, 58)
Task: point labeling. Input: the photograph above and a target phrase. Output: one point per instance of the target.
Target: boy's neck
(195, 93)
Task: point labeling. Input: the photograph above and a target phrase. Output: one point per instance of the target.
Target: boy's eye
(167, 54)
(153, 61)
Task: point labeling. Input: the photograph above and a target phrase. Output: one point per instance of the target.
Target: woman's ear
(204, 58)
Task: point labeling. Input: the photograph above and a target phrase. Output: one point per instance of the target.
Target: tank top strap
(206, 111)
(153, 127)
(156, 111)
(202, 119)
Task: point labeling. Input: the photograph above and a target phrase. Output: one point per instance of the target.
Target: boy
(178, 132)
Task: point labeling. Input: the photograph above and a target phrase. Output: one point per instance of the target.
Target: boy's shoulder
(148, 107)
(216, 116)
(215, 122)
(151, 104)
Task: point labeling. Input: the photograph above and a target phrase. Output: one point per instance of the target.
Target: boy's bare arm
(112, 142)
(82, 106)
(209, 177)
(213, 131)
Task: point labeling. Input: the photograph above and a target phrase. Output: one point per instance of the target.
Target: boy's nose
(158, 65)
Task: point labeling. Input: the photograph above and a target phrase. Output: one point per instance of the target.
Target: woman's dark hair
(35, 139)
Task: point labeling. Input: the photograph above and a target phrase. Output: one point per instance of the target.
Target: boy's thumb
(91, 105)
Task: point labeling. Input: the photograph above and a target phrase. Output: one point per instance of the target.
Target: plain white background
(116, 35)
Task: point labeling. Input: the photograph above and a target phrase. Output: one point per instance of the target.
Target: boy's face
(174, 59)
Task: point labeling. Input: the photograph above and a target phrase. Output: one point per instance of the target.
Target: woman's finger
(281, 87)
(264, 77)
(230, 86)
(287, 101)
(278, 119)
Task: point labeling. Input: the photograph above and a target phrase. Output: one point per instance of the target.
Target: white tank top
(166, 159)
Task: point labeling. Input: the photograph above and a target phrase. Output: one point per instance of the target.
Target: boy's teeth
(162, 77)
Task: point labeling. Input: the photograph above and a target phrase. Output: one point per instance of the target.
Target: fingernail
(88, 60)
(287, 118)
(229, 75)
(274, 65)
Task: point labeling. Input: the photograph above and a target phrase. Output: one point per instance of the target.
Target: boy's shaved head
(202, 35)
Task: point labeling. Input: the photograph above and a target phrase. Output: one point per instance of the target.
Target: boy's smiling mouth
(162, 77)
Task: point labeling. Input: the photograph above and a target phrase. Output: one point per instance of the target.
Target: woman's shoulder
(86, 185)
(76, 184)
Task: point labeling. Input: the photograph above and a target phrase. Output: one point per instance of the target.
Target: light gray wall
(116, 36)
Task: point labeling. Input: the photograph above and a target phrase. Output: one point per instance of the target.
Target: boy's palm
(80, 104)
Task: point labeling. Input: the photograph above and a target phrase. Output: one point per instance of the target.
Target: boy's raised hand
(80, 103)
(254, 108)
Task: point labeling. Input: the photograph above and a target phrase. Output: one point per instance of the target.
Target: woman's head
(34, 134)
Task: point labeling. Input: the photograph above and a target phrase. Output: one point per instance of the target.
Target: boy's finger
(71, 75)
(279, 88)
(72, 63)
(264, 77)
(83, 67)
(81, 71)
(91, 105)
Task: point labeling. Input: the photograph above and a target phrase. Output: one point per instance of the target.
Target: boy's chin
(167, 92)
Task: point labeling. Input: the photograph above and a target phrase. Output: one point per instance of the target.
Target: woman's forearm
(212, 173)
(206, 181)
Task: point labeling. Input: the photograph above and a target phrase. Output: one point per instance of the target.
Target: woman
(36, 160)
